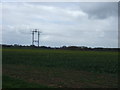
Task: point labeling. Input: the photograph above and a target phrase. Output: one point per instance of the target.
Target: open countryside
(59, 68)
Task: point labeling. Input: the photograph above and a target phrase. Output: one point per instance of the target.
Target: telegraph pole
(32, 38)
(38, 37)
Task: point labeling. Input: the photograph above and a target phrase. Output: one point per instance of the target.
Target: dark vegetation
(59, 67)
(83, 48)
(11, 82)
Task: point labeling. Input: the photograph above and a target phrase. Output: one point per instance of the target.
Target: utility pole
(38, 37)
(35, 32)
(33, 38)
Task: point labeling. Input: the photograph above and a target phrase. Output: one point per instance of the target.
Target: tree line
(62, 47)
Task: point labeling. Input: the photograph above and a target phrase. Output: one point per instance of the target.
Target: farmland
(59, 68)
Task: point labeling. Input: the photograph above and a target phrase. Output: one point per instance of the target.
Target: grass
(62, 68)
(81, 60)
(11, 82)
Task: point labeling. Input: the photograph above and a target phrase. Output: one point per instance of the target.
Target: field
(42, 68)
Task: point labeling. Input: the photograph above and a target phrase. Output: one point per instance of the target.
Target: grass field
(59, 68)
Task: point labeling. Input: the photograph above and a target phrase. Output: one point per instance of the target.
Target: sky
(91, 24)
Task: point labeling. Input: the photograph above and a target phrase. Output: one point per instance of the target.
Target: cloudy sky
(92, 24)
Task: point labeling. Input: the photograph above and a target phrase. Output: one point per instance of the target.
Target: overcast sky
(82, 24)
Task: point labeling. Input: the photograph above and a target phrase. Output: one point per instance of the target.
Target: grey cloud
(61, 26)
(100, 10)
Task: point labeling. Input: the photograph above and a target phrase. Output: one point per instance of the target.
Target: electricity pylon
(35, 32)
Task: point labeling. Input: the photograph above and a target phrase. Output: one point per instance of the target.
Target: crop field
(42, 68)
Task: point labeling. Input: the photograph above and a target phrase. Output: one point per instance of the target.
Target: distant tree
(63, 47)
(16, 45)
(43, 47)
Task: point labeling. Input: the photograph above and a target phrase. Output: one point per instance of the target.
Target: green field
(59, 68)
